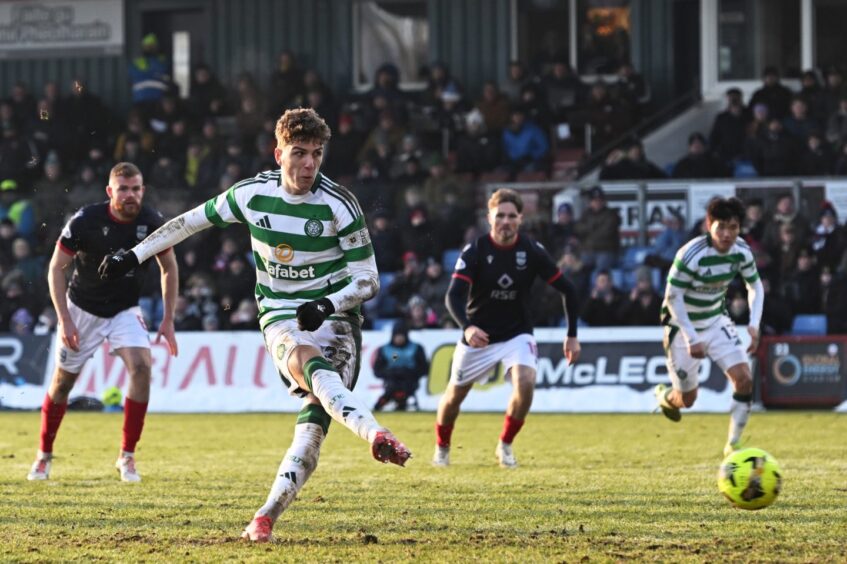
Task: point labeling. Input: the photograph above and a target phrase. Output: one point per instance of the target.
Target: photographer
(400, 363)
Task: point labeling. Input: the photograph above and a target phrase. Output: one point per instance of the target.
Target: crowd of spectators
(413, 158)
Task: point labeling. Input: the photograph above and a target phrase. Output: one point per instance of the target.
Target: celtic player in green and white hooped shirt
(695, 319)
(314, 268)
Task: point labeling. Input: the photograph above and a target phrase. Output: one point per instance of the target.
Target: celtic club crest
(314, 228)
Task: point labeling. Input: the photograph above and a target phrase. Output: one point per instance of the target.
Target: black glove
(311, 315)
(117, 265)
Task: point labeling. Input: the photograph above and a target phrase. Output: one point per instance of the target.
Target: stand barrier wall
(232, 372)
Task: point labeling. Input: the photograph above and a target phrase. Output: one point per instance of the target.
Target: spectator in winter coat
(400, 364)
(598, 229)
(729, 129)
(525, 145)
(604, 307)
(773, 94)
(700, 162)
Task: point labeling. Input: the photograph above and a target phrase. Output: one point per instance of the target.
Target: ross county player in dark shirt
(91, 310)
(489, 299)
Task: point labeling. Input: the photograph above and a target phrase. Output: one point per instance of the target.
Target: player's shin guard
(300, 461)
(51, 418)
(134, 413)
(338, 401)
(739, 412)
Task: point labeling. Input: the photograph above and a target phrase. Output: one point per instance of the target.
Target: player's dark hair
(725, 209)
(505, 196)
(124, 170)
(303, 125)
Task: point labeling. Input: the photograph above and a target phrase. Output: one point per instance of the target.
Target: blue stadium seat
(449, 258)
(618, 278)
(382, 323)
(744, 169)
(658, 281)
(386, 304)
(809, 325)
(634, 256)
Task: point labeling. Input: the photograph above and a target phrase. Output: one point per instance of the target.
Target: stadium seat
(449, 258)
(386, 304)
(383, 324)
(744, 169)
(634, 256)
(809, 325)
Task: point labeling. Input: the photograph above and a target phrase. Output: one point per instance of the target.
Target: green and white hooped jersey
(301, 244)
(703, 275)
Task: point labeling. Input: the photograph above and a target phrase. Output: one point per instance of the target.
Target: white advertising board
(232, 372)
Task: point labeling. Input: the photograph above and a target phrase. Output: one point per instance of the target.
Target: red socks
(443, 434)
(134, 413)
(511, 426)
(51, 418)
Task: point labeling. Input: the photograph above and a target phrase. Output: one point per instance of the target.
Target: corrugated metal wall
(472, 38)
(247, 35)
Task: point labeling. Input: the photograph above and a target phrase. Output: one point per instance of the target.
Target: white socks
(342, 405)
(739, 412)
(300, 461)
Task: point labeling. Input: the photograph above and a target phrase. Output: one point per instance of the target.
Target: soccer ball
(112, 397)
(750, 478)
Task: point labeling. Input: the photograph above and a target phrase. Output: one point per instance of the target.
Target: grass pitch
(590, 488)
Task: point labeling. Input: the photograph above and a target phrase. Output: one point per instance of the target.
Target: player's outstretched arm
(165, 237)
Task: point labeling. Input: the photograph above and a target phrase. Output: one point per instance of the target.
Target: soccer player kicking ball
(696, 324)
(314, 268)
(489, 299)
(91, 310)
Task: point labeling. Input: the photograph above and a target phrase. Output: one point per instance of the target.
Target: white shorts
(478, 364)
(340, 342)
(126, 329)
(722, 345)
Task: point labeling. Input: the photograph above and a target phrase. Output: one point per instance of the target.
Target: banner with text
(232, 372)
(61, 28)
(804, 371)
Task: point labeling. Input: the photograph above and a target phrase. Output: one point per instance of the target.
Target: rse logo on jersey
(289, 272)
(504, 294)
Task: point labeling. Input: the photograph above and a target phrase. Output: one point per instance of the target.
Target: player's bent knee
(741, 378)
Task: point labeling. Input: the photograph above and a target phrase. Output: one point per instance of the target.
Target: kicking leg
(318, 376)
(300, 461)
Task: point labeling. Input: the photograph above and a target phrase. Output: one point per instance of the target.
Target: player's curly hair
(725, 209)
(505, 196)
(301, 124)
